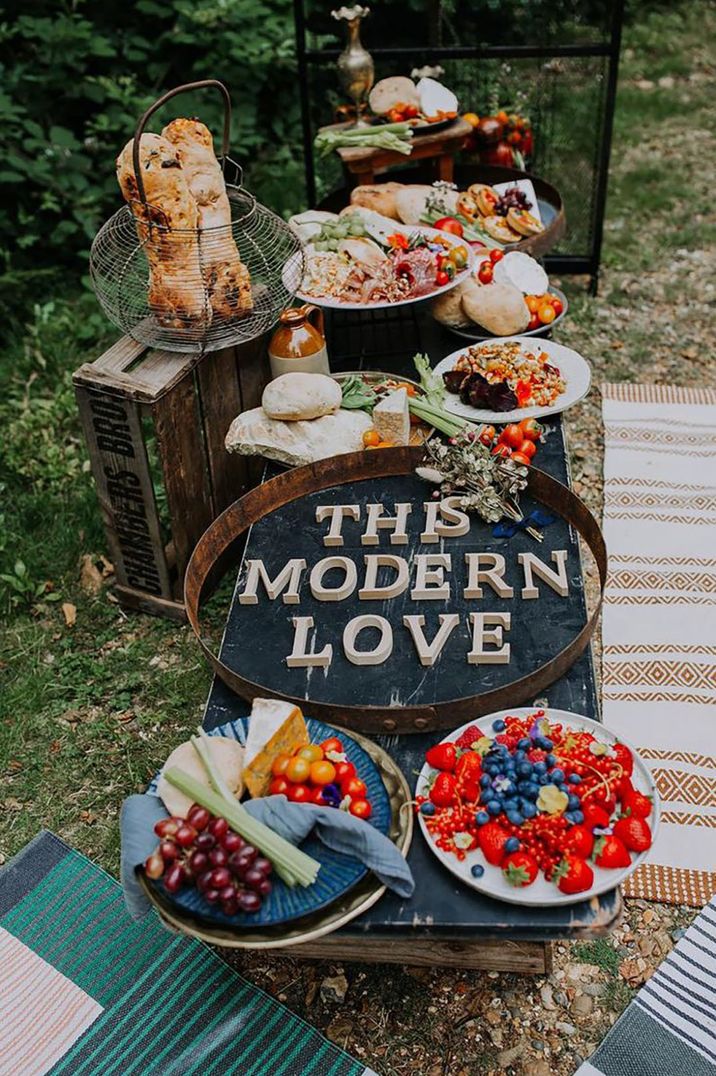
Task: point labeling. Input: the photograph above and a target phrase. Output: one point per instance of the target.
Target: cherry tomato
(279, 764)
(502, 449)
(298, 770)
(484, 273)
(311, 751)
(518, 457)
(361, 809)
(449, 224)
(317, 797)
(442, 279)
(279, 787)
(396, 115)
(496, 255)
(299, 793)
(528, 449)
(410, 112)
(487, 435)
(534, 322)
(355, 788)
(332, 744)
(371, 438)
(323, 773)
(531, 429)
(512, 436)
(458, 256)
(546, 313)
(344, 771)
(533, 303)
(557, 306)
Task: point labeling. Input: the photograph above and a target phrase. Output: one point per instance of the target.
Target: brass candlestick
(355, 63)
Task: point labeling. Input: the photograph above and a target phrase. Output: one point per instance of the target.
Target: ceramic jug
(298, 345)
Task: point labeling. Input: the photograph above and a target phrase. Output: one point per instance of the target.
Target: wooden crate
(155, 424)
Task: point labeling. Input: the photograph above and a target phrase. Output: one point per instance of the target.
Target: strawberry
(491, 837)
(624, 757)
(468, 789)
(579, 839)
(634, 832)
(469, 765)
(442, 757)
(594, 815)
(442, 793)
(611, 852)
(637, 804)
(573, 874)
(623, 788)
(469, 737)
(520, 869)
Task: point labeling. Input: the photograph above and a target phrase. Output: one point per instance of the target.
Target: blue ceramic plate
(338, 872)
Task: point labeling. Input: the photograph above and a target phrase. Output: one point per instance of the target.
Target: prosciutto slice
(419, 267)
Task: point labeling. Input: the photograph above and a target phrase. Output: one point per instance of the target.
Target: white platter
(541, 894)
(575, 370)
(337, 304)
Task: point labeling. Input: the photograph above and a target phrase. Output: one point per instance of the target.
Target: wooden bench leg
(446, 167)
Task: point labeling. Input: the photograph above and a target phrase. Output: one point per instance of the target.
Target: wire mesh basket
(194, 289)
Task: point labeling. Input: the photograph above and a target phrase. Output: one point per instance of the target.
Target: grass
(87, 712)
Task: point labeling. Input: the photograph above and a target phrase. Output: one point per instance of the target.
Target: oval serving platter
(541, 894)
(338, 873)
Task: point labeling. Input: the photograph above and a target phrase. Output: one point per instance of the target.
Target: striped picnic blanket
(670, 1027)
(86, 990)
(659, 622)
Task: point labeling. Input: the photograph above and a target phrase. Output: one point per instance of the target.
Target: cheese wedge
(275, 728)
(391, 418)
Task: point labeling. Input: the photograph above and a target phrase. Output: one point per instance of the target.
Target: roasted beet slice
(502, 398)
(453, 380)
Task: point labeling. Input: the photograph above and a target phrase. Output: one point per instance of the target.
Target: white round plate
(477, 334)
(541, 894)
(338, 304)
(575, 370)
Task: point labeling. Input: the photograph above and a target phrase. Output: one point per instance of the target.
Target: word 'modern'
(386, 576)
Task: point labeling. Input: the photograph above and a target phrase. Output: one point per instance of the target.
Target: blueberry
(551, 760)
(529, 810)
(485, 781)
(570, 817)
(524, 744)
(427, 808)
(498, 725)
(477, 870)
(531, 790)
(557, 776)
(575, 779)
(540, 768)
(519, 756)
(578, 817)
(486, 795)
(515, 818)
(482, 817)
(510, 804)
(574, 803)
(544, 779)
(547, 744)
(494, 807)
(512, 844)
(525, 769)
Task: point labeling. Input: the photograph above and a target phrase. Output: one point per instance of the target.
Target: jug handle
(314, 315)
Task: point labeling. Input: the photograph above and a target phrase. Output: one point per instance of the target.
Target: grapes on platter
(205, 852)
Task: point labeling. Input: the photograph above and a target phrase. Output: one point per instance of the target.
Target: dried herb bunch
(486, 484)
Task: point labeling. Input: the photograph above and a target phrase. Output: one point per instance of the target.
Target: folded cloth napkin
(337, 829)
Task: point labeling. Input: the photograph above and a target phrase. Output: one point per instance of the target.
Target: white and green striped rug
(85, 990)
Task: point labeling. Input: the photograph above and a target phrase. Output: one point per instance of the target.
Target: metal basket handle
(158, 104)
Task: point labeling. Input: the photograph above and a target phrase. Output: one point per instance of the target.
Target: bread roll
(379, 196)
(227, 278)
(176, 286)
(410, 202)
(448, 309)
(499, 308)
(391, 92)
(296, 396)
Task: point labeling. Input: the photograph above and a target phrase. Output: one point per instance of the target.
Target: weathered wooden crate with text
(155, 424)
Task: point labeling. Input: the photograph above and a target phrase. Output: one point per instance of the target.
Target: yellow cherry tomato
(533, 303)
(323, 773)
(458, 256)
(279, 764)
(546, 313)
(298, 770)
(311, 751)
(472, 118)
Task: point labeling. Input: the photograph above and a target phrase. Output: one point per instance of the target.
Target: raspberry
(469, 737)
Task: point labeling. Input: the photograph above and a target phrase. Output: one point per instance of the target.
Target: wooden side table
(362, 164)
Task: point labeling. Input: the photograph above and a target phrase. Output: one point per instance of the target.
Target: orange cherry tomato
(311, 751)
(484, 273)
(344, 771)
(531, 429)
(371, 438)
(410, 112)
(279, 787)
(355, 788)
(279, 764)
(546, 313)
(533, 303)
(502, 116)
(472, 118)
(322, 773)
(512, 436)
(361, 809)
(518, 457)
(501, 449)
(496, 255)
(332, 744)
(528, 449)
(298, 770)
(410, 390)
(299, 793)
(487, 435)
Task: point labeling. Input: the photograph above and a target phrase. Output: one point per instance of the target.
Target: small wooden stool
(363, 163)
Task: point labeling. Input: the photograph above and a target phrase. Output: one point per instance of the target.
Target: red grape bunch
(202, 850)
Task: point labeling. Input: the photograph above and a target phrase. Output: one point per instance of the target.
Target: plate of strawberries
(537, 807)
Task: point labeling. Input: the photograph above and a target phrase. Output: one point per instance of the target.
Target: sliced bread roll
(295, 397)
